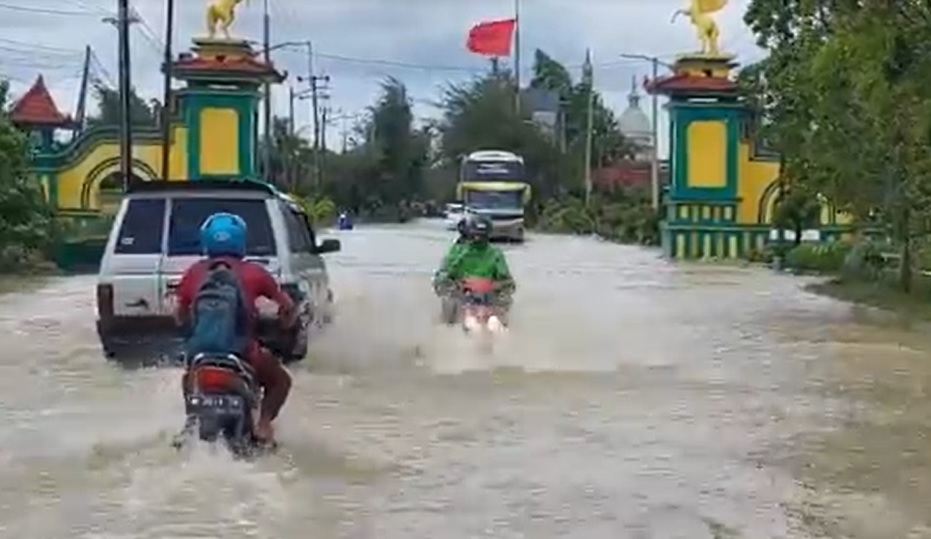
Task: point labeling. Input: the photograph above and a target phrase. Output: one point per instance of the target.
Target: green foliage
(844, 95)
(827, 258)
(108, 103)
(25, 218)
(393, 168)
(480, 114)
(761, 256)
(374, 178)
(865, 262)
(320, 210)
(797, 209)
(624, 216)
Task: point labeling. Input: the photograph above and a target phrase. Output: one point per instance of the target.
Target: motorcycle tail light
(215, 379)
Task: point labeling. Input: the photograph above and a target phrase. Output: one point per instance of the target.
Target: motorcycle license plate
(216, 401)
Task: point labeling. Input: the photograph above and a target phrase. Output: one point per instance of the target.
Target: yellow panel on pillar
(219, 141)
(707, 154)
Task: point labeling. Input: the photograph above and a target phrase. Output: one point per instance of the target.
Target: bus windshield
(495, 171)
(495, 200)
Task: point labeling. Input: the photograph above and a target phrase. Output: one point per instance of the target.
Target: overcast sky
(359, 42)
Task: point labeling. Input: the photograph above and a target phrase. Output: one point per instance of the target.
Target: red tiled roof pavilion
(37, 108)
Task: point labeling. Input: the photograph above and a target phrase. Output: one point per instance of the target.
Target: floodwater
(633, 398)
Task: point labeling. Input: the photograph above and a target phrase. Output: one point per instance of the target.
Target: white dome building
(635, 125)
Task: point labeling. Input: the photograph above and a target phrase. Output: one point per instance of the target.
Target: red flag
(492, 38)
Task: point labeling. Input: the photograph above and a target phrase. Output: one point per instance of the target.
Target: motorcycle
(344, 221)
(220, 406)
(478, 309)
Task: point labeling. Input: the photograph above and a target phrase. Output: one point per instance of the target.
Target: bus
(492, 183)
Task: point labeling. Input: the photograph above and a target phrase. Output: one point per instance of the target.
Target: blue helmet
(223, 234)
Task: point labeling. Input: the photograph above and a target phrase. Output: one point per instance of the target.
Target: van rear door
(131, 263)
(186, 215)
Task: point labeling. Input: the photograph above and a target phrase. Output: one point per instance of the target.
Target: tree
(847, 90)
(400, 149)
(290, 159)
(25, 218)
(142, 114)
(380, 174)
(607, 140)
(797, 209)
(480, 114)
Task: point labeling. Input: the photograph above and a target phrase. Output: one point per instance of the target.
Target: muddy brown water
(632, 398)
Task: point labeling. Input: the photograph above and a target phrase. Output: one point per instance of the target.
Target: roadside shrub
(761, 256)
(818, 257)
(568, 216)
(865, 262)
(618, 217)
(25, 216)
(320, 210)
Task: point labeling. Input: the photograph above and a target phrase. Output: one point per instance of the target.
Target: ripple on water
(632, 398)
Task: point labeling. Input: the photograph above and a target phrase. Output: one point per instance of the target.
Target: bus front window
(495, 200)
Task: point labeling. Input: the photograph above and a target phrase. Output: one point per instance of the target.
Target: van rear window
(142, 227)
(188, 214)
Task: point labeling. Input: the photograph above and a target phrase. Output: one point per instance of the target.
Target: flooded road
(633, 398)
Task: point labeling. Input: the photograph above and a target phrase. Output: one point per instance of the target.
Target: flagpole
(517, 54)
(589, 127)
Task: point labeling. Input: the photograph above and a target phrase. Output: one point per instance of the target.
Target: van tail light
(104, 301)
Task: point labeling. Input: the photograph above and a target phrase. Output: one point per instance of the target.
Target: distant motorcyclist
(344, 221)
(475, 257)
(218, 317)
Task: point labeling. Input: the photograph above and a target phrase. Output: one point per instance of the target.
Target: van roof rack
(231, 184)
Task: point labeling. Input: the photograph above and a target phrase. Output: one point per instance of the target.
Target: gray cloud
(428, 33)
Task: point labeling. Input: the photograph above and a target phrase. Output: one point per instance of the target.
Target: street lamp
(654, 164)
(281, 45)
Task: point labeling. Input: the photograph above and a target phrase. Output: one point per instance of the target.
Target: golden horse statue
(699, 13)
(221, 13)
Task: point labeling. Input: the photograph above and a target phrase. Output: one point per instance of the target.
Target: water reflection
(632, 398)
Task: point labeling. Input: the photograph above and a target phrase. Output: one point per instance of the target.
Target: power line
(151, 36)
(439, 67)
(47, 11)
(26, 62)
(31, 47)
(91, 7)
(99, 67)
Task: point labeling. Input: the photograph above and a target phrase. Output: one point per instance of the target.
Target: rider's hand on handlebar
(287, 318)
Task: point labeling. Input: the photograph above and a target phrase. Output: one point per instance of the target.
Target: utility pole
(654, 164)
(323, 125)
(125, 84)
(589, 121)
(344, 134)
(654, 99)
(313, 81)
(517, 56)
(290, 165)
(166, 89)
(323, 150)
(80, 115)
(291, 97)
(267, 105)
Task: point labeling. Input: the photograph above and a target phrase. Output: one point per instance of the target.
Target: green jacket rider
(476, 257)
(463, 227)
